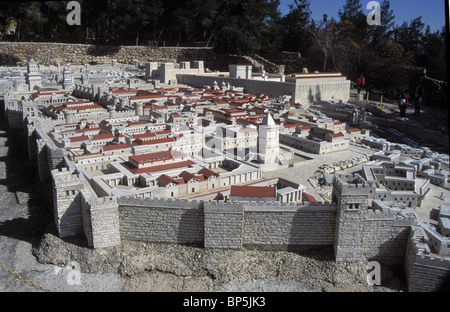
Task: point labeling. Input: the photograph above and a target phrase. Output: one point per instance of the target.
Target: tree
(296, 37)
(411, 36)
(380, 34)
(241, 25)
(353, 15)
(434, 57)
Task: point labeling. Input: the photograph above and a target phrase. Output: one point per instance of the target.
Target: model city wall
(233, 225)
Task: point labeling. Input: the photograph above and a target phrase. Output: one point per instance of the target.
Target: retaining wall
(80, 54)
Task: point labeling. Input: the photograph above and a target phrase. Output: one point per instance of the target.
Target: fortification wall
(49, 156)
(289, 225)
(386, 235)
(166, 221)
(231, 225)
(224, 225)
(104, 215)
(424, 273)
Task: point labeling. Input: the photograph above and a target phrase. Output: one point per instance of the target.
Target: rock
(171, 267)
(22, 198)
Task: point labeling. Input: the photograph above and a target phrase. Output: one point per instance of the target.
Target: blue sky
(432, 11)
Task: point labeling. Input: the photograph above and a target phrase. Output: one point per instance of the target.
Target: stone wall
(386, 235)
(224, 225)
(231, 225)
(80, 54)
(281, 226)
(104, 217)
(423, 272)
(163, 221)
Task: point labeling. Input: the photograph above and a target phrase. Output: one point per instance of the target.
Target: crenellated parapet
(352, 184)
(159, 202)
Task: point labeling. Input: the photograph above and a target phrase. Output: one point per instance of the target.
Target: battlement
(104, 203)
(352, 184)
(17, 110)
(390, 214)
(419, 241)
(159, 202)
(435, 262)
(64, 175)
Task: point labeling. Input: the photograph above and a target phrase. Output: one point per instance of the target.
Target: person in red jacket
(360, 82)
(403, 103)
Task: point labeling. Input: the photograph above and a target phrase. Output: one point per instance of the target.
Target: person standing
(403, 103)
(361, 82)
(418, 98)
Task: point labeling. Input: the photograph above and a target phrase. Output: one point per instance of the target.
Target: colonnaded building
(177, 155)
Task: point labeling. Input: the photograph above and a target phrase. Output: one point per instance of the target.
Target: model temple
(180, 154)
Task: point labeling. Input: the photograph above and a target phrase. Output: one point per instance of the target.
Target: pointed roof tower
(268, 121)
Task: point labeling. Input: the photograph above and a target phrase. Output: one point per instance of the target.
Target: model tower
(268, 141)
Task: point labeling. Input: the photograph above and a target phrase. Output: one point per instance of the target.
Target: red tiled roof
(187, 176)
(337, 135)
(74, 107)
(208, 172)
(102, 136)
(291, 125)
(174, 165)
(309, 198)
(165, 179)
(79, 138)
(253, 191)
(156, 107)
(148, 158)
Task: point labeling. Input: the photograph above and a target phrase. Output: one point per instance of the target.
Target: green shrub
(8, 59)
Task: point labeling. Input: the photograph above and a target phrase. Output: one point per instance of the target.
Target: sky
(432, 11)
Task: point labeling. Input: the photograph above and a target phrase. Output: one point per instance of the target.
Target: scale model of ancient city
(178, 153)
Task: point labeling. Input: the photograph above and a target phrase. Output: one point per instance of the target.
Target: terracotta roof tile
(253, 191)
